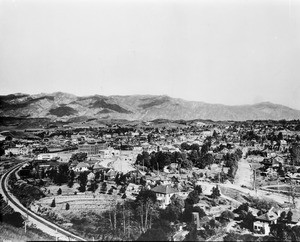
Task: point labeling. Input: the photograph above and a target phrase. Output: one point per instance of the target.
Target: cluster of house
(263, 222)
(115, 151)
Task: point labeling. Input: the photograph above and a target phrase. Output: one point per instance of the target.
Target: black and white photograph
(150, 120)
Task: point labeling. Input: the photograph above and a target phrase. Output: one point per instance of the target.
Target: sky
(217, 51)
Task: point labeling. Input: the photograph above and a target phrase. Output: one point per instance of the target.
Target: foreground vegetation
(12, 226)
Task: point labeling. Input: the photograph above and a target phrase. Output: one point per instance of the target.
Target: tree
(153, 235)
(145, 194)
(143, 159)
(174, 210)
(230, 237)
(185, 163)
(146, 208)
(195, 147)
(198, 188)
(248, 221)
(213, 223)
(62, 174)
(147, 211)
(295, 153)
(185, 146)
(71, 176)
(103, 187)
(192, 235)
(205, 148)
(282, 217)
(296, 233)
(227, 215)
(67, 206)
(79, 157)
(82, 179)
(289, 216)
(192, 198)
(2, 151)
(200, 211)
(53, 203)
(194, 155)
(205, 160)
(59, 191)
(215, 192)
(70, 183)
(13, 218)
(242, 207)
(239, 153)
(215, 134)
(282, 232)
(110, 191)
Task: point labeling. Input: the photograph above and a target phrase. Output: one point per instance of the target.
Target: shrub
(215, 192)
(59, 191)
(14, 219)
(53, 203)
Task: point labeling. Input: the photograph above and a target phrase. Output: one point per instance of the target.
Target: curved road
(41, 223)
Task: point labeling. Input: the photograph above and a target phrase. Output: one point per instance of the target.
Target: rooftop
(165, 189)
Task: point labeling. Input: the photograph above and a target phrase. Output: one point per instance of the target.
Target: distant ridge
(65, 106)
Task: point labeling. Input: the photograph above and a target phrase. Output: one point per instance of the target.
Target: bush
(70, 184)
(53, 203)
(227, 215)
(59, 191)
(153, 235)
(81, 189)
(25, 193)
(15, 219)
(215, 192)
(110, 191)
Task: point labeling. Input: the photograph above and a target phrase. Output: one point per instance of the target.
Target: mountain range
(68, 107)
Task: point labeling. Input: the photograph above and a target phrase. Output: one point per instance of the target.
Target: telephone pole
(254, 180)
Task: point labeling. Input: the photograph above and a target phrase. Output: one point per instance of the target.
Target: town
(161, 180)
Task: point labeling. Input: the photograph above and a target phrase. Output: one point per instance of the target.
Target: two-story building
(164, 194)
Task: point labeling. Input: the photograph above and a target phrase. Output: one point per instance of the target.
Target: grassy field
(233, 193)
(285, 189)
(8, 232)
(80, 205)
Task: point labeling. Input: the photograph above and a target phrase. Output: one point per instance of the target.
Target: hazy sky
(229, 52)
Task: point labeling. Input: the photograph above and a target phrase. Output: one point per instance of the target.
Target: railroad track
(45, 225)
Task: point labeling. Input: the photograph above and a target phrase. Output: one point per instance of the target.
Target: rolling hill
(64, 106)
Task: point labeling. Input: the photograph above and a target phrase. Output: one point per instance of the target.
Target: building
(81, 167)
(164, 194)
(47, 156)
(263, 222)
(261, 227)
(17, 151)
(92, 149)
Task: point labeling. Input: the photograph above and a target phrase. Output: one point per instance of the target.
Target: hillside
(63, 106)
(11, 233)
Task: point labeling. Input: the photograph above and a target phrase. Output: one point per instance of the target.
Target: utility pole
(293, 194)
(254, 180)
(25, 225)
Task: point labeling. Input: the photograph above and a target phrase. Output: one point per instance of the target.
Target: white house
(164, 194)
(264, 221)
(22, 150)
(82, 166)
(47, 156)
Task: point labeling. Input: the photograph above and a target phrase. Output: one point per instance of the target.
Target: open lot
(79, 203)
